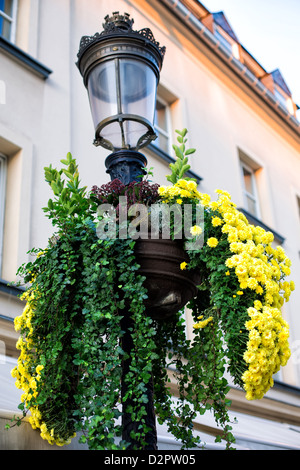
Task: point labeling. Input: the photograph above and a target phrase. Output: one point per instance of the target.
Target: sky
(270, 31)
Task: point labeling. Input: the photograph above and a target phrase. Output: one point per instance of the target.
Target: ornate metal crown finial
(117, 21)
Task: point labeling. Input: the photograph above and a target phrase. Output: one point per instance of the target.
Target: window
(249, 190)
(282, 99)
(285, 101)
(227, 42)
(162, 126)
(222, 39)
(3, 170)
(8, 12)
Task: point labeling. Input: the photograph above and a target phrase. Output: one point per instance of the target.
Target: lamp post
(120, 69)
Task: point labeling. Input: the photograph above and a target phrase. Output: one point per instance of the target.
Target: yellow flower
(202, 324)
(184, 193)
(212, 242)
(20, 343)
(257, 304)
(182, 183)
(191, 185)
(205, 199)
(232, 236)
(14, 372)
(33, 384)
(183, 265)
(18, 321)
(252, 283)
(179, 201)
(44, 428)
(216, 221)
(259, 290)
(249, 356)
(223, 193)
(162, 190)
(18, 384)
(196, 230)
(283, 335)
(241, 270)
(229, 263)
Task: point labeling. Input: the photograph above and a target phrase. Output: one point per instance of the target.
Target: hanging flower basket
(81, 287)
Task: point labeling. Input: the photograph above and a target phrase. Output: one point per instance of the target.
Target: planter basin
(169, 287)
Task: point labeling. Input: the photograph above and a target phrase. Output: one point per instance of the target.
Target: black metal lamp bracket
(126, 166)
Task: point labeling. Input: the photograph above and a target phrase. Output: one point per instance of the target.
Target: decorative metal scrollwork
(147, 33)
(117, 24)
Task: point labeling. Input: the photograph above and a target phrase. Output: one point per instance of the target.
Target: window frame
(254, 197)
(298, 205)
(218, 32)
(284, 100)
(165, 133)
(226, 41)
(12, 19)
(281, 97)
(3, 178)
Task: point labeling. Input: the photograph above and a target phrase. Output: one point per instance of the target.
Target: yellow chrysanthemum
(196, 230)
(212, 242)
(203, 323)
(216, 221)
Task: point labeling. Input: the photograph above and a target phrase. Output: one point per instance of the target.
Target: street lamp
(120, 69)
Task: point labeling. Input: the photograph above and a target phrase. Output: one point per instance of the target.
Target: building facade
(241, 119)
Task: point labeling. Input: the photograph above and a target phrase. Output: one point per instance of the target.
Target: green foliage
(200, 366)
(181, 165)
(69, 198)
(83, 290)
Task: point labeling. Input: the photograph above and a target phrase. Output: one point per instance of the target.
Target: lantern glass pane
(138, 94)
(102, 89)
(123, 88)
(138, 88)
